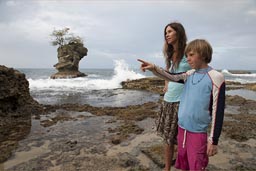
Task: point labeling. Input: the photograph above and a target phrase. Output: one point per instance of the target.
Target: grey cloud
(125, 30)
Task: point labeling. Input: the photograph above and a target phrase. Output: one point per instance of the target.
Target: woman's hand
(165, 86)
(146, 65)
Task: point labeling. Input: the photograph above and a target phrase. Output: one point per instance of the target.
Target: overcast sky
(125, 30)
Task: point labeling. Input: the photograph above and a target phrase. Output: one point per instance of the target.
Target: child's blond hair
(202, 47)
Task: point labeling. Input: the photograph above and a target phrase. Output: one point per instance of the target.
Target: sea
(102, 87)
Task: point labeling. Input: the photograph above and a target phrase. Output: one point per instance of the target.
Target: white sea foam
(225, 71)
(122, 72)
(242, 78)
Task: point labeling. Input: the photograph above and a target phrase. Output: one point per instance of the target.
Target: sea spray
(122, 72)
(242, 78)
(226, 72)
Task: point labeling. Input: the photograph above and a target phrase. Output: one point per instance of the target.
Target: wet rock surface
(152, 84)
(84, 137)
(16, 107)
(230, 85)
(15, 99)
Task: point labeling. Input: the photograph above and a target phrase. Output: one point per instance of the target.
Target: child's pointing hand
(145, 65)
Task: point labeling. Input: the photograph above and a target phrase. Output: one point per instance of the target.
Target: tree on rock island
(70, 51)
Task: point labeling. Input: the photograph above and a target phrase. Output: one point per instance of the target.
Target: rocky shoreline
(84, 137)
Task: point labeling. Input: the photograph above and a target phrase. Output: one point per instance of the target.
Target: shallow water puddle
(247, 94)
(55, 143)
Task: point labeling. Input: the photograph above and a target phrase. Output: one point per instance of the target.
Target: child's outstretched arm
(160, 72)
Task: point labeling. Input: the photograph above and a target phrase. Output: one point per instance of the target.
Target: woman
(174, 47)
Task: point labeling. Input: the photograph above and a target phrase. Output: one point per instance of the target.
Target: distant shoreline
(240, 71)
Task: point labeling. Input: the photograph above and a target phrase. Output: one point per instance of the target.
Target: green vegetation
(62, 37)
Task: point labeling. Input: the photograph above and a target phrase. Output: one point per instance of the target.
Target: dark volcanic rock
(152, 84)
(14, 93)
(69, 56)
(16, 107)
